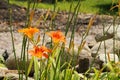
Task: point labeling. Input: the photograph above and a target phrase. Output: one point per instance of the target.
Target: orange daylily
(57, 36)
(40, 51)
(29, 32)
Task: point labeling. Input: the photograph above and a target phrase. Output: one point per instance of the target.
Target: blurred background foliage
(87, 6)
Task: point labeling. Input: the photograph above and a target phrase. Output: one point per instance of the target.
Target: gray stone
(77, 42)
(2, 72)
(115, 31)
(83, 65)
(104, 58)
(2, 51)
(109, 47)
(14, 76)
(96, 63)
(102, 37)
(109, 32)
(11, 63)
(11, 74)
(5, 55)
(117, 36)
(84, 54)
(86, 63)
(5, 41)
(90, 39)
(99, 47)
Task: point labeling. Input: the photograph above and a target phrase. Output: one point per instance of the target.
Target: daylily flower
(40, 51)
(57, 36)
(29, 32)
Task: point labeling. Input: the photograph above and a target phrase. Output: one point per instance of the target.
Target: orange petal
(45, 55)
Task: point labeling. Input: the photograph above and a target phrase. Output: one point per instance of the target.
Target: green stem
(11, 32)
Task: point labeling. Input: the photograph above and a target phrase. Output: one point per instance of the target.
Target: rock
(86, 63)
(91, 44)
(5, 55)
(117, 36)
(2, 51)
(2, 72)
(102, 37)
(11, 74)
(5, 41)
(110, 32)
(83, 65)
(97, 64)
(90, 39)
(111, 56)
(100, 48)
(113, 29)
(14, 76)
(77, 42)
(85, 52)
(85, 18)
(12, 64)
(83, 55)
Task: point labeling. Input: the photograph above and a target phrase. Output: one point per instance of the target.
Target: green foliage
(2, 65)
(113, 74)
(2, 59)
(2, 62)
(87, 6)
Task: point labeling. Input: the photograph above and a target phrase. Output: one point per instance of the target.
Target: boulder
(83, 65)
(11, 75)
(102, 37)
(85, 52)
(2, 51)
(14, 76)
(105, 59)
(84, 56)
(90, 39)
(109, 32)
(5, 55)
(2, 72)
(111, 47)
(11, 63)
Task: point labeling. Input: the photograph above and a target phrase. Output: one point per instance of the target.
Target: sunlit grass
(87, 6)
